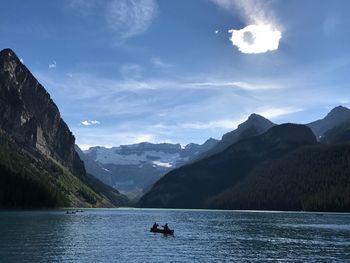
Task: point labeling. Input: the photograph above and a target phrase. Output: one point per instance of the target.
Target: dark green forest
(314, 178)
(28, 181)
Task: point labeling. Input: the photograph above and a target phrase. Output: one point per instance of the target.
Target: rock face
(196, 184)
(31, 118)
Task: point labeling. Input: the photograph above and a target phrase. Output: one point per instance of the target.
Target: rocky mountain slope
(133, 169)
(194, 185)
(254, 125)
(38, 147)
(313, 178)
(334, 118)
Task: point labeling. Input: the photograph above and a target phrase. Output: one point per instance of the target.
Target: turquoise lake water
(122, 235)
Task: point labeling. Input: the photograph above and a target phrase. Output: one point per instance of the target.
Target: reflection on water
(122, 235)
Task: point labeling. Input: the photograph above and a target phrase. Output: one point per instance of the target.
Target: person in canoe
(166, 228)
(155, 226)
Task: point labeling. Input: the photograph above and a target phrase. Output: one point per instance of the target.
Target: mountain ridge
(192, 185)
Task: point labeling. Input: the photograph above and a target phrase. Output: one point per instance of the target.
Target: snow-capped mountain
(163, 155)
(133, 169)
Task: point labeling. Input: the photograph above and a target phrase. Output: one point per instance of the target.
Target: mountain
(28, 114)
(39, 164)
(254, 125)
(133, 169)
(196, 184)
(337, 135)
(312, 178)
(335, 117)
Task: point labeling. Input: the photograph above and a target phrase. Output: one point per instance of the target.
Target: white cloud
(130, 17)
(251, 11)
(238, 85)
(21, 59)
(88, 123)
(85, 123)
(107, 138)
(271, 113)
(217, 31)
(254, 39)
(85, 147)
(218, 124)
(53, 64)
(70, 75)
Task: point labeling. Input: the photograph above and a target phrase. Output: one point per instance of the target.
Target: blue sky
(126, 71)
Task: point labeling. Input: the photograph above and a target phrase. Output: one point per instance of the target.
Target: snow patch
(162, 164)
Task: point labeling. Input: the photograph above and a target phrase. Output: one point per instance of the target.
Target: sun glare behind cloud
(254, 39)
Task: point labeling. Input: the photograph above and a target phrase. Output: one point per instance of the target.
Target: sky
(128, 71)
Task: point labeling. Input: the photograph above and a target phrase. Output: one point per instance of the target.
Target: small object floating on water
(166, 230)
(71, 212)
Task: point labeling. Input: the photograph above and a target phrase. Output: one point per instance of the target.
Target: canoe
(165, 232)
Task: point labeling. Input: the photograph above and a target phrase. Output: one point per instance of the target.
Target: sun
(254, 39)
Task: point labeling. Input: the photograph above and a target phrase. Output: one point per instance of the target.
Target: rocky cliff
(31, 118)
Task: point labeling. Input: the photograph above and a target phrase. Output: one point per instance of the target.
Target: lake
(122, 235)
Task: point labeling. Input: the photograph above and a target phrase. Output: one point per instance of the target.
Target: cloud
(271, 113)
(238, 85)
(251, 11)
(130, 18)
(217, 31)
(21, 59)
(331, 26)
(160, 63)
(88, 123)
(254, 39)
(107, 138)
(218, 124)
(133, 71)
(53, 64)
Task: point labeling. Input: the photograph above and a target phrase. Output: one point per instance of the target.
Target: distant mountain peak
(335, 117)
(256, 120)
(255, 116)
(338, 110)
(7, 51)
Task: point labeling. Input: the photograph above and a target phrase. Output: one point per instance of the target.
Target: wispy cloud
(217, 124)
(158, 62)
(109, 138)
(331, 26)
(123, 18)
(129, 18)
(131, 71)
(237, 85)
(251, 11)
(271, 113)
(53, 64)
